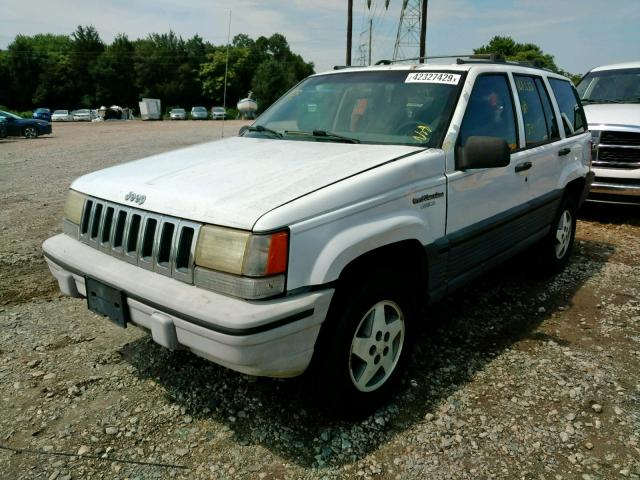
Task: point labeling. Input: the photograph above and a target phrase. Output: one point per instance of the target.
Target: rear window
(571, 112)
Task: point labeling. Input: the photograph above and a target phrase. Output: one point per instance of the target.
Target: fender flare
(350, 244)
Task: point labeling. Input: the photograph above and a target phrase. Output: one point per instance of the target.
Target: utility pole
(423, 31)
(226, 73)
(370, 35)
(349, 30)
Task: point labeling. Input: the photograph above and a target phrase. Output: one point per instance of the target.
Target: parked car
(42, 114)
(177, 114)
(28, 127)
(611, 98)
(218, 113)
(83, 115)
(61, 116)
(199, 113)
(315, 240)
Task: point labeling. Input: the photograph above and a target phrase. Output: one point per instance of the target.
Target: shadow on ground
(610, 213)
(461, 335)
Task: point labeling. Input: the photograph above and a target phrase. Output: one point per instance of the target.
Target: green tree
(87, 47)
(212, 74)
(280, 70)
(115, 75)
(508, 48)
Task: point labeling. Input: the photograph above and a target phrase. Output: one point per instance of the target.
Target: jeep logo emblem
(134, 197)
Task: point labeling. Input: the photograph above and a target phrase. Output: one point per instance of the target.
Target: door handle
(564, 151)
(521, 167)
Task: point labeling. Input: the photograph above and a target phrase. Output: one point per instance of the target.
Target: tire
(556, 248)
(365, 344)
(30, 132)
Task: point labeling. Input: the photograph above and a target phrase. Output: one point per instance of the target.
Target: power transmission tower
(411, 30)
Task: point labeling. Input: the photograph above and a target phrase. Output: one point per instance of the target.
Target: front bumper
(44, 129)
(269, 338)
(616, 189)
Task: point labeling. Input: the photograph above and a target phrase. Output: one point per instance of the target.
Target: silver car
(177, 114)
(199, 113)
(218, 113)
(83, 115)
(61, 116)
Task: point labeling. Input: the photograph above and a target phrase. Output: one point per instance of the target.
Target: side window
(535, 124)
(549, 114)
(573, 119)
(490, 111)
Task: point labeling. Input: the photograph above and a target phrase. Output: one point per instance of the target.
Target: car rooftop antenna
(226, 71)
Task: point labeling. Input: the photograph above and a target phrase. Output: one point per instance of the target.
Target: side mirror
(483, 152)
(243, 129)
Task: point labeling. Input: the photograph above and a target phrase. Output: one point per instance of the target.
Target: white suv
(312, 241)
(611, 95)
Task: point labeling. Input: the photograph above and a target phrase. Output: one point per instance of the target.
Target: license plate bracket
(107, 301)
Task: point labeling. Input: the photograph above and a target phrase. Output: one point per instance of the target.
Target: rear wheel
(555, 249)
(365, 349)
(30, 132)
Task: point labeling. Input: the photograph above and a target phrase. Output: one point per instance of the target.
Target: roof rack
(472, 58)
(490, 56)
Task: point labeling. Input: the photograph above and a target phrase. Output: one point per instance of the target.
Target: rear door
(541, 140)
(554, 153)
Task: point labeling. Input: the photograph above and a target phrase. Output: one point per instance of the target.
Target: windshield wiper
(262, 129)
(599, 100)
(323, 133)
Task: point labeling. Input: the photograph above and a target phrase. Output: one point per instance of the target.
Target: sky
(580, 34)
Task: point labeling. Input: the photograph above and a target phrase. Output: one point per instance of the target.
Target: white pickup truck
(611, 97)
(312, 240)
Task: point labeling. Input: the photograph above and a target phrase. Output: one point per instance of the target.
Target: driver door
(485, 205)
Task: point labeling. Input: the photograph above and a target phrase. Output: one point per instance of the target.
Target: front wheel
(30, 132)
(365, 349)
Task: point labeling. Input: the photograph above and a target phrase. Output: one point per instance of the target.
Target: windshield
(177, 110)
(8, 114)
(217, 109)
(383, 107)
(61, 112)
(611, 86)
(199, 109)
(82, 112)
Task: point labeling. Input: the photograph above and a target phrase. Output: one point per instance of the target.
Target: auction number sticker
(433, 77)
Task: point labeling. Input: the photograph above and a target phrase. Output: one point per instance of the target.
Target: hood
(622, 114)
(234, 182)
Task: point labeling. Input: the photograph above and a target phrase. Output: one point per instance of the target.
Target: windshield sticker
(433, 77)
(312, 108)
(422, 133)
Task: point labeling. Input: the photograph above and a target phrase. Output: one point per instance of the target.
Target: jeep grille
(160, 243)
(618, 150)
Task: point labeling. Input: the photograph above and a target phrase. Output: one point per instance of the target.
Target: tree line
(81, 70)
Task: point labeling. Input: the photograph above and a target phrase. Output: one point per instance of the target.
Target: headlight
(73, 206)
(256, 263)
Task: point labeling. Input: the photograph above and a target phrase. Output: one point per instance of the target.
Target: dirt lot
(514, 376)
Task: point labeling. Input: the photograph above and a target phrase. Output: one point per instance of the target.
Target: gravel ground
(513, 377)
